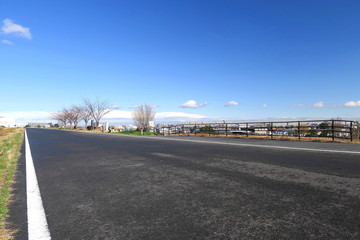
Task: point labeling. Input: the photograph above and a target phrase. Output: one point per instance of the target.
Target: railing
(316, 129)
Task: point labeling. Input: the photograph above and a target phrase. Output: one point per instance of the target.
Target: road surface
(97, 186)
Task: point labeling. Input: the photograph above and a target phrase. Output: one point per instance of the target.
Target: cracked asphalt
(102, 186)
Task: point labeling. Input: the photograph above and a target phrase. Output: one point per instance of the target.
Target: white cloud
(352, 104)
(7, 42)
(178, 115)
(265, 105)
(231, 103)
(193, 104)
(319, 104)
(11, 28)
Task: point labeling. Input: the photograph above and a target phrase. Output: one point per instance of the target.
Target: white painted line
(248, 145)
(37, 224)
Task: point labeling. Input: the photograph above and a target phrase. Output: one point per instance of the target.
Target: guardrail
(314, 129)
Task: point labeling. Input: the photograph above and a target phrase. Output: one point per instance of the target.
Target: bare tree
(85, 115)
(61, 117)
(74, 114)
(98, 109)
(67, 115)
(142, 117)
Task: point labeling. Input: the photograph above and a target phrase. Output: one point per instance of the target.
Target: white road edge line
(37, 224)
(249, 145)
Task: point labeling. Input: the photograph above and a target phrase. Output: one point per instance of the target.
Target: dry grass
(10, 144)
(79, 130)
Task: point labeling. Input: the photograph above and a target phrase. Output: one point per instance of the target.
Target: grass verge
(10, 145)
(135, 133)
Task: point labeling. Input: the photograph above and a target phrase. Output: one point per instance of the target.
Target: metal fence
(324, 129)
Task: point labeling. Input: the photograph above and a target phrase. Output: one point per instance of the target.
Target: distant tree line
(95, 110)
(89, 110)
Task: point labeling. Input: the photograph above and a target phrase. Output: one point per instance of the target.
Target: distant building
(7, 122)
(40, 125)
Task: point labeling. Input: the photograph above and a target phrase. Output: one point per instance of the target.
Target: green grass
(10, 144)
(135, 133)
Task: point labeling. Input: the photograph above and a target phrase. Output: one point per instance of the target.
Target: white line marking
(248, 145)
(37, 224)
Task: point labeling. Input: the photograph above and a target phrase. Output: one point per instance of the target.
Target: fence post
(195, 129)
(183, 129)
(333, 130)
(351, 130)
(209, 129)
(247, 129)
(299, 129)
(271, 130)
(226, 129)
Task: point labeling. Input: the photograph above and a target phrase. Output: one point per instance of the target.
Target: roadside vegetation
(10, 144)
(135, 133)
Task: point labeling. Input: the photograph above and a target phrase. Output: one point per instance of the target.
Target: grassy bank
(135, 133)
(10, 144)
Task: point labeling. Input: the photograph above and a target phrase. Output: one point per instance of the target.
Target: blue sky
(194, 60)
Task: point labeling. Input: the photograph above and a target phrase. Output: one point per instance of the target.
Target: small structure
(39, 125)
(104, 126)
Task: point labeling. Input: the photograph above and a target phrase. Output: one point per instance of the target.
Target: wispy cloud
(118, 114)
(24, 117)
(265, 105)
(137, 106)
(352, 104)
(7, 42)
(298, 105)
(11, 28)
(178, 115)
(319, 105)
(231, 103)
(193, 104)
(27, 114)
(115, 106)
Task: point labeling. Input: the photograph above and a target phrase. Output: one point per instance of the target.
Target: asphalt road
(97, 186)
